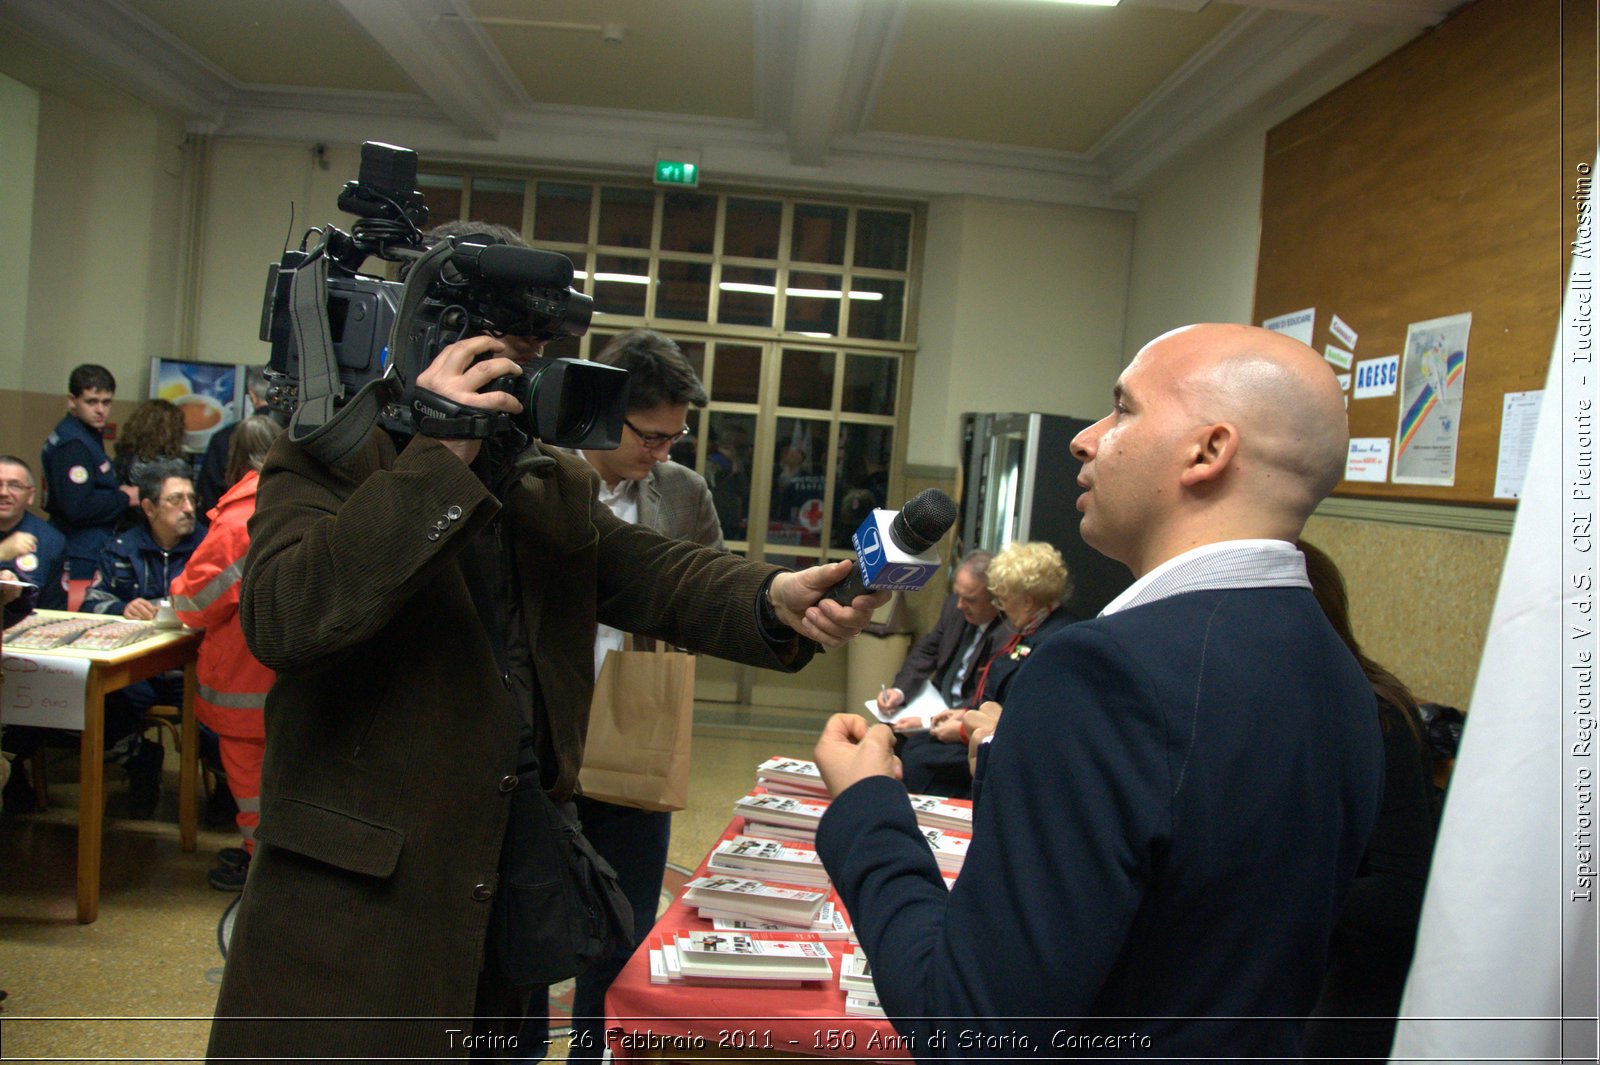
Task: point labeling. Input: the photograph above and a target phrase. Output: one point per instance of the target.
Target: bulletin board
(1437, 184)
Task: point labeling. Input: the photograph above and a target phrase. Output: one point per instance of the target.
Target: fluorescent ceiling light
(626, 279)
(1090, 3)
(807, 293)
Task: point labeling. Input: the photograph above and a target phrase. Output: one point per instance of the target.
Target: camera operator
(430, 607)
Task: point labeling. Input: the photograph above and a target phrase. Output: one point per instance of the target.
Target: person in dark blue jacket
(82, 494)
(135, 571)
(1178, 794)
(29, 547)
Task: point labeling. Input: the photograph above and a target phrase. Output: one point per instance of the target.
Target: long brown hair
(1327, 584)
(249, 446)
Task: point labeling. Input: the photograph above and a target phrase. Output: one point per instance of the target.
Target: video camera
(339, 336)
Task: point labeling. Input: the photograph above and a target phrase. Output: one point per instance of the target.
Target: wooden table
(108, 672)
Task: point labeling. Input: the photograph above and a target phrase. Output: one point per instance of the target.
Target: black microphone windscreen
(925, 518)
(529, 266)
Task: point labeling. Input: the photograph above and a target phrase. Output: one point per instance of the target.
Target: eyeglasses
(178, 499)
(16, 486)
(651, 441)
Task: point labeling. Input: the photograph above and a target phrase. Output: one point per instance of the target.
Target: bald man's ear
(1211, 454)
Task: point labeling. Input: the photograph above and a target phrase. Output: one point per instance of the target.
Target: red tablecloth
(808, 1021)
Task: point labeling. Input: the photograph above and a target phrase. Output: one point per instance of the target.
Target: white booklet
(912, 716)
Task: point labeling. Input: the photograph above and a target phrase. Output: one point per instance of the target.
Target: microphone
(520, 266)
(893, 547)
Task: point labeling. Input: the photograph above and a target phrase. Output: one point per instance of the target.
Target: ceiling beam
(818, 67)
(127, 51)
(445, 53)
(1406, 14)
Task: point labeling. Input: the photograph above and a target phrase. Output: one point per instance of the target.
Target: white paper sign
(1297, 325)
(1517, 420)
(1377, 377)
(1368, 459)
(1338, 356)
(43, 690)
(1342, 332)
(1344, 381)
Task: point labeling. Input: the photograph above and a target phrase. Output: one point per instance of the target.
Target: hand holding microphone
(894, 548)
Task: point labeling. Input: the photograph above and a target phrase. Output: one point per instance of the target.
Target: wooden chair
(163, 717)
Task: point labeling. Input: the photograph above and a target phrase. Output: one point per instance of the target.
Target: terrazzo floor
(140, 983)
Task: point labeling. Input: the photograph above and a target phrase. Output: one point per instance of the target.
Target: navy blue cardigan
(1173, 807)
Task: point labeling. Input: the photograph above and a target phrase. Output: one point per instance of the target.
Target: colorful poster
(1433, 370)
(210, 394)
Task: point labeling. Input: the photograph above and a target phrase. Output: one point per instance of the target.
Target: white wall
(1022, 310)
(19, 136)
(103, 273)
(250, 188)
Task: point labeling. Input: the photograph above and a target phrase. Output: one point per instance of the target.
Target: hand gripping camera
(347, 347)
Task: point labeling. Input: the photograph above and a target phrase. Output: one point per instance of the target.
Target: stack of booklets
(781, 816)
(786, 861)
(949, 848)
(747, 959)
(791, 776)
(744, 898)
(936, 811)
(855, 980)
(832, 923)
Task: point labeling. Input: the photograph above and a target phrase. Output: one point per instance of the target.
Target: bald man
(1177, 795)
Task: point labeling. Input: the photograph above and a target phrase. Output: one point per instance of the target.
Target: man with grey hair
(1177, 796)
(135, 572)
(953, 652)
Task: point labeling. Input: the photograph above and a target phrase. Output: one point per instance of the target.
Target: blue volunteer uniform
(82, 495)
(133, 566)
(44, 566)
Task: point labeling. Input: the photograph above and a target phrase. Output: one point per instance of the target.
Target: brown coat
(389, 730)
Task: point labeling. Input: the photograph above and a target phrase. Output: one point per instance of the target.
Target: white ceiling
(1017, 98)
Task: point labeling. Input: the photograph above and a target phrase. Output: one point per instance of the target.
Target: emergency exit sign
(677, 172)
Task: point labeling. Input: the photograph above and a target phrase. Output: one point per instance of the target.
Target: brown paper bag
(640, 724)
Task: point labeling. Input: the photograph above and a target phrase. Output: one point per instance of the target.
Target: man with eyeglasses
(136, 570)
(641, 484)
(30, 548)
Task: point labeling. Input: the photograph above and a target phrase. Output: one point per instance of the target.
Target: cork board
(1437, 184)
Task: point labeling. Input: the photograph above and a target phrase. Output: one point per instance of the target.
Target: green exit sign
(677, 172)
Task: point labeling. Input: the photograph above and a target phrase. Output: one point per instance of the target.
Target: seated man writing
(946, 662)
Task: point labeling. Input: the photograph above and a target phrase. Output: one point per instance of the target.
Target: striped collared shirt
(1228, 564)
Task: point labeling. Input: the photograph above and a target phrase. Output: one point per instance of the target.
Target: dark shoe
(233, 857)
(18, 796)
(225, 877)
(221, 810)
(144, 780)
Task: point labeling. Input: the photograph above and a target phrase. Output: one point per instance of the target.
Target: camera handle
(445, 419)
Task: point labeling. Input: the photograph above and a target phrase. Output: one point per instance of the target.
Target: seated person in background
(1181, 789)
(81, 491)
(231, 686)
(1028, 581)
(954, 651)
(136, 570)
(29, 547)
(1370, 954)
(154, 431)
(214, 466)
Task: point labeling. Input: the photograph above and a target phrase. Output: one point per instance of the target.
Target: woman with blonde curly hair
(1028, 580)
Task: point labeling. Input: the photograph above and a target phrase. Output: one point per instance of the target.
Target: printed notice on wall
(1518, 416)
(43, 690)
(1368, 460)
(1377, 377)
(1297, 325)
(1433, 370)
(1342, 332)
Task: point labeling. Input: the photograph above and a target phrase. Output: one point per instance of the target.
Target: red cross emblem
(811, 514)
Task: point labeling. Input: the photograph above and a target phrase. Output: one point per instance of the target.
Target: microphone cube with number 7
(886, 566)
